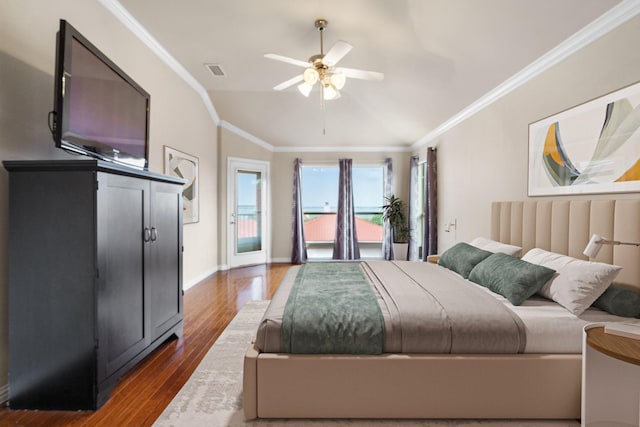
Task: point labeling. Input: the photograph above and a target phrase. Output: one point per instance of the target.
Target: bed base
(524, 386)
(445, 386)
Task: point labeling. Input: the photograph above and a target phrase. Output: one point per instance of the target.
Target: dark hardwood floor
(142, 394)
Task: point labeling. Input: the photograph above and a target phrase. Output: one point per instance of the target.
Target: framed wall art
(183, 165)
(591, 148)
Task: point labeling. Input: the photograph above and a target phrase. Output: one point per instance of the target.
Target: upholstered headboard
(565, 226)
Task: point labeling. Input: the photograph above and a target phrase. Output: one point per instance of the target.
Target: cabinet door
(165, 269)
(123, 323)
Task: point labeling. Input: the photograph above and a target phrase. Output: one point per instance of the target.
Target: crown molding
(298, 149)
(137, 29)
(246, 135)
(145, 37)
(608, 21)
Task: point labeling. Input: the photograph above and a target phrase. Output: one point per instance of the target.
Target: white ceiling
(438, 57)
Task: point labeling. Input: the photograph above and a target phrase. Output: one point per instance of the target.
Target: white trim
(260, 142)
(4, 394)
(246, 135)
(200, 278)
(280, 261)
(145, 37)
(610, 20)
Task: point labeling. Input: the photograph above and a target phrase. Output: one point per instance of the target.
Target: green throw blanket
(332, 309)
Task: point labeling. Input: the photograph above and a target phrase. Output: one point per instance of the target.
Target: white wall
(178, 116)
(485, 157)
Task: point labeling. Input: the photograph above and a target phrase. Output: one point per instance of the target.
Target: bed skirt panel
(525, 386)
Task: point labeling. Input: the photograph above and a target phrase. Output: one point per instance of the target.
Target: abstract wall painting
(182, 165)
(591, 148)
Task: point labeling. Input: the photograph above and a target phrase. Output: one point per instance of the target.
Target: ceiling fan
(322, 69)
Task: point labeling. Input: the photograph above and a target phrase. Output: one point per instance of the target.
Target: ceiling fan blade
(289, 82)
(288, 60)
(336, 53)
(361, 74)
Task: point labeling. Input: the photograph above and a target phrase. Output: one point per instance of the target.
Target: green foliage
(394, 212)
(377, 219)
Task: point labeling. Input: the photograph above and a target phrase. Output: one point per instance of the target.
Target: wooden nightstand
(433, 258)
(610, 379)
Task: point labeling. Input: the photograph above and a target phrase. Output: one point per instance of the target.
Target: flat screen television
(99, 111)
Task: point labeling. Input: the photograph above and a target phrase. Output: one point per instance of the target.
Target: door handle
(154, 234)
(146, 235)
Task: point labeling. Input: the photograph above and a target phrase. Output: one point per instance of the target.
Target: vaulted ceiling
(438, 57)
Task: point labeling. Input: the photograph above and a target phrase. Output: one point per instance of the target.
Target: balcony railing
(248, 233)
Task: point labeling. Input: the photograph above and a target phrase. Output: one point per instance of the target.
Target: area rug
(213, 394)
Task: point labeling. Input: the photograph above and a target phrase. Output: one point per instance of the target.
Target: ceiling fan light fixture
(338, 80)
(321, 68)
(329, 92)
(310, 76)
(305, 89)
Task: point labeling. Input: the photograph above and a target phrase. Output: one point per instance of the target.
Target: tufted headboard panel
(565, 226)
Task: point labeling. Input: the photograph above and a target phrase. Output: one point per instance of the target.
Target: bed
(543, 381)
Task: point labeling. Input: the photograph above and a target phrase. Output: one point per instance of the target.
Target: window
(320, 202)
(368, 198)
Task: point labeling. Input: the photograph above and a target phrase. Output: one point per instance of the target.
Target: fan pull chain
(324, 122)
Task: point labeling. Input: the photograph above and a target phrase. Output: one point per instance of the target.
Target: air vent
(215, 69)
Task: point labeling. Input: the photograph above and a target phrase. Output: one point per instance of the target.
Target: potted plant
(394, 212)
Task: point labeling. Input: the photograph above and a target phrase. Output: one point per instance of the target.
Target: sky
(246, 182)
(320, 185)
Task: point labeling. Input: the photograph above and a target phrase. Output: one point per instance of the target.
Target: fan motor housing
(316, 60)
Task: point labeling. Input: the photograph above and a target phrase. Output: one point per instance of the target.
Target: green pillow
(619, 301)
(513, 278)
(462, 257)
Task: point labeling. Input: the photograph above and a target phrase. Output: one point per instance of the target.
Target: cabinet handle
(154, 234)
(146, 235)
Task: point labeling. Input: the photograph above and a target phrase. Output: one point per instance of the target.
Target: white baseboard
(223, 267)
(4, 394)
(200, 278)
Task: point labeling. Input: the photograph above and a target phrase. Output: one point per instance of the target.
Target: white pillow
(577, 283)
(493, 246)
